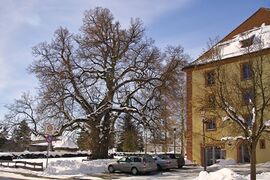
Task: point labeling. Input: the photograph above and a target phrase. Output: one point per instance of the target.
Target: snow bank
(76, 167)
(187, 162)
(223, 174)
(224, 162)
(262, 176)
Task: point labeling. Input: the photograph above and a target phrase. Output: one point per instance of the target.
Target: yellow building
(234, 50)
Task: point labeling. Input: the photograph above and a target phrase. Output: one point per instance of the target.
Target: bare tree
(88, 80)
(240, 95)
(173, 96)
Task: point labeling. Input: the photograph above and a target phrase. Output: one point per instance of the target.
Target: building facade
(208, 136)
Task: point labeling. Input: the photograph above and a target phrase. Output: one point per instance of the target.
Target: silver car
(134, 164)
(164, 162)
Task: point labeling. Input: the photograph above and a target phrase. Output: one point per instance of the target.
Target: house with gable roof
(200, 74)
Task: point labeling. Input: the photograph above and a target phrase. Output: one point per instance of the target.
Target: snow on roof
(65, 142)
(5, 154)
(258, 37)
(36, 138)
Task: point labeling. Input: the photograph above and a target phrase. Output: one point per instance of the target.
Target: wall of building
(196, 93)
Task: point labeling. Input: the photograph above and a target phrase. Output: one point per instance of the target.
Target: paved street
(186, 173)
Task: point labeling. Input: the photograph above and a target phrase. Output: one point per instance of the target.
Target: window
(247, 42)
(211, 101)
(248, 119)
(210, 78)
(246, 72)
(211, 125)
(262, 144)
(124, 159)
(248, 95)
(137, 159)
(214, 153)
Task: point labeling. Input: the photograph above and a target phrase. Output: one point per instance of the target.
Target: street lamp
(174, 140)
(203, 143)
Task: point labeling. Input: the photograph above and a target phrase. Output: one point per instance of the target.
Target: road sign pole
(47, 155)
(49, 139)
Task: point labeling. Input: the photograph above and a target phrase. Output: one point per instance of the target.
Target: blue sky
(189, 23)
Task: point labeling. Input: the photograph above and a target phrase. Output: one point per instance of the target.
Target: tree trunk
(100, 138)
(100, 144)
(253, 161)
(100, 149)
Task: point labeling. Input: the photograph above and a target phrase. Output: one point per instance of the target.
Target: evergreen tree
(3, 137)
(22, 136)
(130, 139)
(84, 141)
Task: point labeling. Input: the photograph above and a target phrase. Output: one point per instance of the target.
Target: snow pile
(267, 123)
(262, 176)
(267, 164)
(223, 174)
(76, 167)
(187, 162)
(225, 162)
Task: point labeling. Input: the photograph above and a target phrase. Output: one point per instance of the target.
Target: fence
(22, 164)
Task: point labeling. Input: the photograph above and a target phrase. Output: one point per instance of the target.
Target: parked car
(134, 164)
(164, 162)
(180, 159)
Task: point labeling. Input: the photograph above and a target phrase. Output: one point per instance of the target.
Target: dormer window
(247, 42)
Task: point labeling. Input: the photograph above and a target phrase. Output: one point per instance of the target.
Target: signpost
(49, 130)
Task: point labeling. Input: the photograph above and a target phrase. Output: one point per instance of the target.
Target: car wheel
(159, 168)
(111, 169)
(134, 171)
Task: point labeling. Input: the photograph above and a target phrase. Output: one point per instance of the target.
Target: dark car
(180, 159)
(164, 162)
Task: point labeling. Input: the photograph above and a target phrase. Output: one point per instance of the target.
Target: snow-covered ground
(60, 168)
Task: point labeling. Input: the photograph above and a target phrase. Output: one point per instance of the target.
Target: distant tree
(171, 111)
(22, 136)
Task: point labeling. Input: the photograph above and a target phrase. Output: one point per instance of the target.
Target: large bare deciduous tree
(90, 79)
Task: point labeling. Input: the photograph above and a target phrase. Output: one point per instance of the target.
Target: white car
(133, 164)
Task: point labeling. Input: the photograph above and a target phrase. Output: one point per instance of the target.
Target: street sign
(49, 129)
(49, 138)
